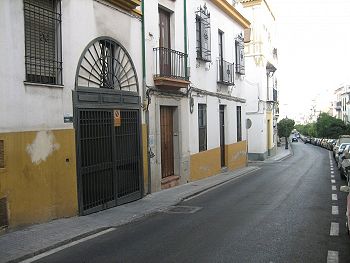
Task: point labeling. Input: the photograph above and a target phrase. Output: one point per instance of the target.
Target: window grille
(239, 46)
(239, 124)
(202, 127)
(43, 38)
(203, 34)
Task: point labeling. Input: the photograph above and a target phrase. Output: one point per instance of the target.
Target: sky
(313, 39)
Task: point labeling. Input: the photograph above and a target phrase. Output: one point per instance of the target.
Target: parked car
(307, 140)
(294, 139)
(346, 189)
(340, 152)
(342, 139)
(344, 161)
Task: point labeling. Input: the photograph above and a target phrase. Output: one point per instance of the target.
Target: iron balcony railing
(170, 63)
(225, 72)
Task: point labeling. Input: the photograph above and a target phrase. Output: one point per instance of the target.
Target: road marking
(55, 250)
(332, 172)
(333, 257)
(334, 229)
(335, 210)
(332, 175)
(334, 197)
(331, 169)
(333, 181)
(334, 187)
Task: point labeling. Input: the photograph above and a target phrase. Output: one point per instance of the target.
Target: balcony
(128, 5)
(170, 68)
(225, 72)
(338, 106)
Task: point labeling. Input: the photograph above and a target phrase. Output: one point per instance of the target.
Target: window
(202, 127)
(43, 50)
(239, 124)
(203, 34)
(239, 46)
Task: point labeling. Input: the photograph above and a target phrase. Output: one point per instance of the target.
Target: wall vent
(2, 154)
(3, 213)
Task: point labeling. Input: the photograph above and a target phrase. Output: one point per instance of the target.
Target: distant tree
(284, 128)
(330, 127)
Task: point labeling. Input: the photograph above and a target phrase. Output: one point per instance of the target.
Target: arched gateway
(108, 127)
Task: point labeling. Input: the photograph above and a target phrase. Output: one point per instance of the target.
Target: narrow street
(281, 213)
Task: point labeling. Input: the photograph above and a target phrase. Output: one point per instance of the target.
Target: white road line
(331, 169)
(332, 172)
(334, 197)
(55, 250)
(335, 210)
(334, 229)
(332, 175)
(333, 257)
(333, 181)
(334, 188)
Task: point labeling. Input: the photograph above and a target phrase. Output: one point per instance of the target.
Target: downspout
(185, 36)
(144, 95)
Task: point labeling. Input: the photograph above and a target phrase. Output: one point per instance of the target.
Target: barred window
(43, 39)
(239, 46)
(203, 34)
(202, 126)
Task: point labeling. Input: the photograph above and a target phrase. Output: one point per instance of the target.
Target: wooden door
(164, 43)
(167, 142)
(222, 135)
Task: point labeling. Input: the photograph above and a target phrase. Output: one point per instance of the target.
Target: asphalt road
(281, 213)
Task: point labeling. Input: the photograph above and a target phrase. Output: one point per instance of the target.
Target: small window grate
(3, 212)
(2, 154)
(43, 51)
(203, 34)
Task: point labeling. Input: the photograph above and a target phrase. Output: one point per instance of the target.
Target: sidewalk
(22, 244)
(281, 154)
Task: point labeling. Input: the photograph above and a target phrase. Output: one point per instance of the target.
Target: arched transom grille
(106, 64)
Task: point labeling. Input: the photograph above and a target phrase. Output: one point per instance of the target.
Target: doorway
(167, 140)
(222, 135)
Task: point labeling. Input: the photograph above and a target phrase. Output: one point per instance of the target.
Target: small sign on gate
(117, 118)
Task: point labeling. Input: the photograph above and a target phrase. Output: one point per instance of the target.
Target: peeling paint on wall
(42, 147)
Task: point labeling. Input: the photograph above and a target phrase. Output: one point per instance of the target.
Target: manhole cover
(183, 209)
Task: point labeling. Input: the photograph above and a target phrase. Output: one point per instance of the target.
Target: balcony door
(164, 43)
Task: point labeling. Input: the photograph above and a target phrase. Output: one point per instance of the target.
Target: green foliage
(325, 127)
(285, 127)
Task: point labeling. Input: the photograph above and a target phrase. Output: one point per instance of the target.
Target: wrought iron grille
(106, 64)
(43, 41)
(275, 98)
(202, 126)
(239, 47)
(110, 158)
(239, 123)
(225, 72)
(170, 63)
(203, 34)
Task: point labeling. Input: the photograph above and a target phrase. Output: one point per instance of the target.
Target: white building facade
(341, 103)
(261, 80)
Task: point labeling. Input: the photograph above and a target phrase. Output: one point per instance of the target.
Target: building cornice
(232, 12)
(249, 3)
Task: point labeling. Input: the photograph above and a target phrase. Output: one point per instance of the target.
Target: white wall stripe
(333, 257)
(334, 197)
(334, 188)
(334, 229)
(335, 210)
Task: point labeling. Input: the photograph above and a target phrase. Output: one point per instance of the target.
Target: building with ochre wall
(217, 101)
(70, 102)
(261, 80)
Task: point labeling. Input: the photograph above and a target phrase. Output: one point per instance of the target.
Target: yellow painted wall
(145, 160)
(205, 164)
(270, 128)
(39, 178)
(208, 163)
(236, 155)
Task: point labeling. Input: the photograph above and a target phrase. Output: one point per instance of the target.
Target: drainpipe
(185, 36)
(144, 94)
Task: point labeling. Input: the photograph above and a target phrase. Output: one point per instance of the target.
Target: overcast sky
(313, 39)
